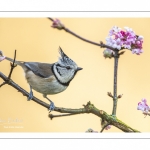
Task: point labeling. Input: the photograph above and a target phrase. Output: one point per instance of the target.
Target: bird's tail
(20, 63)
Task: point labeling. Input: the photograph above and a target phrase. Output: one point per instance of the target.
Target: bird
(46, 78)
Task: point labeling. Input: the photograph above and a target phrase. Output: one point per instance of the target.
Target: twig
(104, 127)
(146, 113)
(51, 19)
(88, 41)
(3, 84)
(74, 34)
(115, 98)
(109, 94)
(12, 66)
(10, 73)
(62, 115)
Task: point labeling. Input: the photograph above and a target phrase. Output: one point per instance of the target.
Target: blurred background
(35, 40)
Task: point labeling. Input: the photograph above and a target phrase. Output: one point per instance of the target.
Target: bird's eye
(68, 67)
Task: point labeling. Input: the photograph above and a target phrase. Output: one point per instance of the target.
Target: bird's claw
(51, 107)
(30, 96)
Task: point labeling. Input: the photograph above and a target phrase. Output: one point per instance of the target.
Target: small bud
(121, 53)
(102, 44)
(101, 111)
(119, 96)
(109, 94)
(108, 53)
(140, 37)
(11, 64)
(57, 24)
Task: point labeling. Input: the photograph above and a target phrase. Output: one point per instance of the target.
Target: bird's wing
(43, 70)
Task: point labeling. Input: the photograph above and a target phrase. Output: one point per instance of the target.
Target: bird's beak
(79, 68)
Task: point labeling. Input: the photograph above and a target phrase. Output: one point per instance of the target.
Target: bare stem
(115, 99)
(10, 73)
(74, 34)
(88, 41)
(62, 115)
(51, 19)
(3, 84)
(12, 66)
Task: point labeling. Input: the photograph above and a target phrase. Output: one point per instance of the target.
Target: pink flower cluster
(143, 106)
(125, 39)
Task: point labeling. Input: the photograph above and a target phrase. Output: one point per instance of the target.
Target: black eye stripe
(59, 65)
(67, 67)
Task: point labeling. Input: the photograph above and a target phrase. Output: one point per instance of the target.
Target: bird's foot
(114, 117)
(51, 107)
(30, 95)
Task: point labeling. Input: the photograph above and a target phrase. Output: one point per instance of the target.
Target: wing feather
(43, 70)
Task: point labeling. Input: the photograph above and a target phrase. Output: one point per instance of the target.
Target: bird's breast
(47, 86)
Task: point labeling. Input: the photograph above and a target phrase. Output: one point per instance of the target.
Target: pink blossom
(138, 43)
(128, 29)
(116, 44)
(143, 106)
(137, 51)
(2, 58)
(57, 24)
(127, 44)
(123, 33)
(108, 127)
(114, 30)
(110, 41)
(140, 37)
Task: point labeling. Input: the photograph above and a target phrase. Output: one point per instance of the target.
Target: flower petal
(2, 58)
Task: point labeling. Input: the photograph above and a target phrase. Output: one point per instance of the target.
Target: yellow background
(35, 40)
